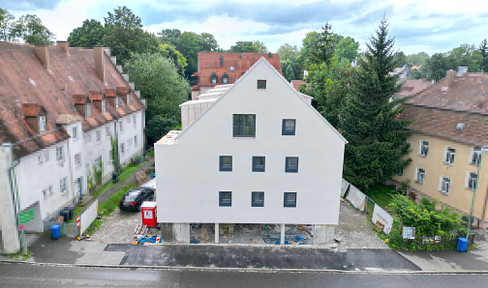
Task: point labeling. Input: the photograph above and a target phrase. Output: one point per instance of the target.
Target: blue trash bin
(56, 231)
(462, 244)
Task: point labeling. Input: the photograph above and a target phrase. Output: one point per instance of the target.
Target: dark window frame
(287, 201)
(223, 166)
(258, 167)
(222, 199)
(285, 131)
(257, 202)
(241, 127)
(291, 168)
(262, 85)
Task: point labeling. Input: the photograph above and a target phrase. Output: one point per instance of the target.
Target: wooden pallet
(140, 231)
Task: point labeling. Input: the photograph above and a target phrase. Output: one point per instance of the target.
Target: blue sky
(417, 25)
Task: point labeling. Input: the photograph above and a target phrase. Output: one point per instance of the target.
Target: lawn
(381, 194)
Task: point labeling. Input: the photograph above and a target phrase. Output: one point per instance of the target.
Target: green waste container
(55, 231)
(462, 244)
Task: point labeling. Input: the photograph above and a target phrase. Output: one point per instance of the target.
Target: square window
(261, 84)
(445, 185)
(225, 199)
(420, 176)
(225, 163)
(472, 180)
(288, 127)
(59, 153)
(258, 163)
(424, 148)
(42, 123)
(257, 199)
(290, 199)
(291, 165)
(244, 125)
(476, 156)
(450, 153)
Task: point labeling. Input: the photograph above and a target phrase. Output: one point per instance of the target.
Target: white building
(260, 154)
(59, 109)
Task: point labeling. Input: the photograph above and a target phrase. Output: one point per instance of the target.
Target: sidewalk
(88, 252)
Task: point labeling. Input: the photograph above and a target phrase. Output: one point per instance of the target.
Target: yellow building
(450, 127)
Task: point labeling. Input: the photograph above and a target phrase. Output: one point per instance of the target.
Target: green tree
(286, 52)
(347, 48)
(329, 85)
(159, 82)
(323, 46)
(30, 28)
(124, 35)
(465, 55)
(369, 121)
(7, 22)
(189, 44)
(436, 66)
(159, 126)
(417, 59)
(90, 34)
(244, 47)
(484, 55)
(170, 52)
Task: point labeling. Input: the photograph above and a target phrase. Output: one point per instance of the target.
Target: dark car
(133, 199)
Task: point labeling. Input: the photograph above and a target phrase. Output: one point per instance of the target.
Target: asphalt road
(35, 275)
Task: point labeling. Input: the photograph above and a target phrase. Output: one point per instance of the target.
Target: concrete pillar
(282, 238)
(323, 234)
(10, 234)
(182, 232)
(217, 233)
(167, 234)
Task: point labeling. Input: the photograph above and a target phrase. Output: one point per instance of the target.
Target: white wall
(47, 174)
(133, 126)
(188, 176)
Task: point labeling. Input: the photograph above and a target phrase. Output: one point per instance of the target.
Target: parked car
(133, 199)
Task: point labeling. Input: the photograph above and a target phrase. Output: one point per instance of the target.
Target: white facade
(188, 169)
(130, 135)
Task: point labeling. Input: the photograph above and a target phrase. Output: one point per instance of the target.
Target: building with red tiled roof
(450, 125)
(412, 87)
(225, 68)
(60, 108)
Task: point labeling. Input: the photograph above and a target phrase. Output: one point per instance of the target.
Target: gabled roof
(454, 100)
(24, 79)
(210, 63)
(292, 89)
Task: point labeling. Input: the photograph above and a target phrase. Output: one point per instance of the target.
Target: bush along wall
(435, 229)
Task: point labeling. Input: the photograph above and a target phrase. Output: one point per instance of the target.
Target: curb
(373, 271)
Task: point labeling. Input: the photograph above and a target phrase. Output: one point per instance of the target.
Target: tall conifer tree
(369, 121)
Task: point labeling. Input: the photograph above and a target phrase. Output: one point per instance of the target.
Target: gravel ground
(353, 231)
(119, 227)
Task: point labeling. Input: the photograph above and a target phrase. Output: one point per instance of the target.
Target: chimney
(63, 45)
(450, 75)
(99, 62)
(42, 53)
(269, 55)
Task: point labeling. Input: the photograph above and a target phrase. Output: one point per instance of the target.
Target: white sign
(408, 232)
(380, 215)
(148, 214)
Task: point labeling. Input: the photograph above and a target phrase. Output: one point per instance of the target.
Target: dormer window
(214, 79)
(104, 106)
(128, 99)
(117, 102)
(87, 110)
(42, 123)
(225, 78)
